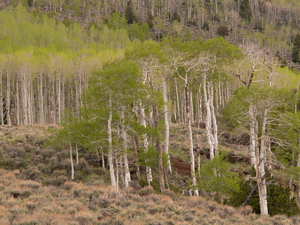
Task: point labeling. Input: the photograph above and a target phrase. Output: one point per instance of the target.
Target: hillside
(188, 97)
(36, 189)
(272, 24)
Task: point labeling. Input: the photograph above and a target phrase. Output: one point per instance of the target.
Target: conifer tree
(296, 49)
(245, 11)
(129, 13)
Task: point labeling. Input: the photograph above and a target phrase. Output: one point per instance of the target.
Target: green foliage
(245, 11)
(138, 32)
(116, 22)
(216, 177)
(296, 49)
(223, 31)
(188, 36)
(279, 198)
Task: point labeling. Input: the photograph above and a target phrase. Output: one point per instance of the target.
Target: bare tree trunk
(216, 143)
(252, 137)
(110, 153)
(208, 120)
(190, 135)
(192, 107)
(178, 105)
(58, 84)
(125, 147)
(138, 174)
(161, 182)
(8, 99)
(77, 156)
(117, 171)
(72, 165)
(217, 99)
(298, 165)
(262, 199)
(1, 99)
(262, 162)
(103, 162)
(41, 100)
(143, 120)
(169, 168)
(53, 102)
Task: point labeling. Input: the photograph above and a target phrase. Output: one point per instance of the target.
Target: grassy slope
(35, 189)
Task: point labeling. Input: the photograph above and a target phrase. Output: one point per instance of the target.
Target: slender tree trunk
(208, 120)
(159, 148)
(214, 120)
(72, 165)
(192, 107)
(169, 168)
(178, 105)
(125, 147)
(110, 151)
(298, 165)
(190, 135)
(143, 120)
(58, 84)
(217, 99)
(41, 100)
(252, 137)
(103, 162)
(138, 174)
(262, 161)
(262, 199)
(77, 156)
(8, 99)
(117, 171)
(1, 99)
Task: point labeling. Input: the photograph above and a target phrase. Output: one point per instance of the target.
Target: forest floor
(35, 187)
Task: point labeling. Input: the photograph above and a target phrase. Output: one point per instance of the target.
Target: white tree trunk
(208, 120)
(262, 199)
(214, 120)
(143, 121)
(77, 156)
(262, 163)
(252, 137)
(192, 107)
(8, 99)
(125, 147)
(190, 135)
(110, 151)
(169, 168)
(178, 105)
(103, 162)
(72, 165)
(41, 100)
(1, 99)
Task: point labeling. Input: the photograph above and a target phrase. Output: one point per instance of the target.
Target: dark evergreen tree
(279, 198)
(296, 49)
(223, 31)
(129, 13)
(245, 11)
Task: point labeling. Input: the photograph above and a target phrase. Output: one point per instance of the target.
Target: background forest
(128, 89)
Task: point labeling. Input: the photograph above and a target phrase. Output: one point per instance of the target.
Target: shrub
(28, 148)
(111, 210)
(222, 31)
(31, 173)
(146, 191)
(279, 200)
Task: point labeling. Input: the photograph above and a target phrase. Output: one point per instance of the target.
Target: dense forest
(114, 79)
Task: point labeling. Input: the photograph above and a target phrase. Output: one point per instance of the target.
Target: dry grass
(35, 189)
(81, 204)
